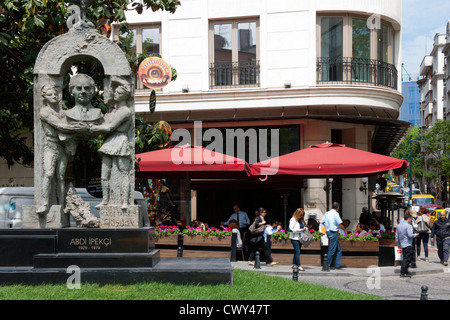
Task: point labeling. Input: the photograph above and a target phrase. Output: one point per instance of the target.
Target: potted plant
(387, 238)
(165, 234)
(355, 242)
(206, 237)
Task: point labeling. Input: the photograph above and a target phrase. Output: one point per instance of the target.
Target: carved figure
(82, 88)
(116, 150)
(54, 155)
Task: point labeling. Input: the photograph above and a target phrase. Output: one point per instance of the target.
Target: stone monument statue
(57, 132)
(82, 88)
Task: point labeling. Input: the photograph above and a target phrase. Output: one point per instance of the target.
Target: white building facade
(317, 71)
(434, 86)
(320, 71)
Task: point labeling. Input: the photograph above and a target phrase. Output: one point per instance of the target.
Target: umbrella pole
(187, 190)
(328, 193)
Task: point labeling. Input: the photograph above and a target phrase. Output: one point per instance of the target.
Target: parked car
(12, 200)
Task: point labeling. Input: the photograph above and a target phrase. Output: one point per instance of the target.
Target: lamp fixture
(364, 186)
(326, 187)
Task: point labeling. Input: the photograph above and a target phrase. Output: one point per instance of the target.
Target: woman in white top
(296, 227)
(423, 237)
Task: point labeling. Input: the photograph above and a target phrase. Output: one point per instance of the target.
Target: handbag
(256, 230)
(306, 238)
(422, 227)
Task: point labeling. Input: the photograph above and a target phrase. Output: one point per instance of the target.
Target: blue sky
(421, 21)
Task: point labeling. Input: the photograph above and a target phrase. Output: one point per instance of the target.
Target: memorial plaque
(103, 241)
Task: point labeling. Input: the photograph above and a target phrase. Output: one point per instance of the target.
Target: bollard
(180, 246)
(257, 261)
(325, 266)
(295, 274)
(424, 293)
(233, 257)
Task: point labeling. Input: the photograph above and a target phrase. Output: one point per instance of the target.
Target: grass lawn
(247, 285)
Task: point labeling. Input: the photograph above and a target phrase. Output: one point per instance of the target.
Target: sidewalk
(431, 267)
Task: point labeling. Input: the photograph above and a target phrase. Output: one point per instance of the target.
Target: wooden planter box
(355, 254)
(387, 242)
(194, 246)
(359, 246)
(207, 241)
(286, 244)
(170, 239)
(283, 252)
(359, 254)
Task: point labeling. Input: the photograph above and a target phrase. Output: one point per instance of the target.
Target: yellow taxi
(393, 187)
(434, 215)
(421, 200)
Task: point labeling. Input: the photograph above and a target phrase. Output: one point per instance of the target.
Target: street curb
(286, 271)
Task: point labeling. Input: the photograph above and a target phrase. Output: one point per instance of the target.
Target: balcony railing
(234, 74)
(356, 70)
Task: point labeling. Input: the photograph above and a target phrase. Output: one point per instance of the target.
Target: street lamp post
(424, 144)
(410, 171)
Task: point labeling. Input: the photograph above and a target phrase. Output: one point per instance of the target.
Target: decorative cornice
(351, 95)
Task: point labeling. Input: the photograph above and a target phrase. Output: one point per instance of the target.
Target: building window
(145, 39)
(234, 53)
(350, 52)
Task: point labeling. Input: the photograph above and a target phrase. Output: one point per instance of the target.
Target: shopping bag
(398, 254)
(324, 240)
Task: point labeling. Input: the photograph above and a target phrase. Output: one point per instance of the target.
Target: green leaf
(38, 22)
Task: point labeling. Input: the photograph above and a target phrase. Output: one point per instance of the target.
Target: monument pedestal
(104, 256)
(113, 216)
(100, 248)
(52, 219)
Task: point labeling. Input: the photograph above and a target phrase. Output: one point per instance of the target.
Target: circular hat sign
(154, 73)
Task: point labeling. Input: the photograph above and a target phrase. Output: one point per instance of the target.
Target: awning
(329, 160)
(190, 162)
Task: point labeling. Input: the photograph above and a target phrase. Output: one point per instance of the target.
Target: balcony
(356, 71)
(426, 65)
(234, 74)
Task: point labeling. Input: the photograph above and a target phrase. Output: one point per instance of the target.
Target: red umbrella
(329, 159)
(198, 162)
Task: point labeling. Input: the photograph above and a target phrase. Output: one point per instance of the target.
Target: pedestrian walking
(424, 234)
(332, 222)
(404, 238)
(296, 227)
(258, 240)
(441, 228)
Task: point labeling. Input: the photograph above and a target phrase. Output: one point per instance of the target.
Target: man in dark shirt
(441, 228)
(365, 216)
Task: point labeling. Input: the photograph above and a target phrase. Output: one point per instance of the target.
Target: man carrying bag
(404, 238)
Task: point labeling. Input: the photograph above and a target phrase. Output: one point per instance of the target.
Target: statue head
(50, 94)
(82, 88)
(122, 90)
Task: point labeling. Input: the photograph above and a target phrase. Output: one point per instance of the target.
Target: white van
(12, 200)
